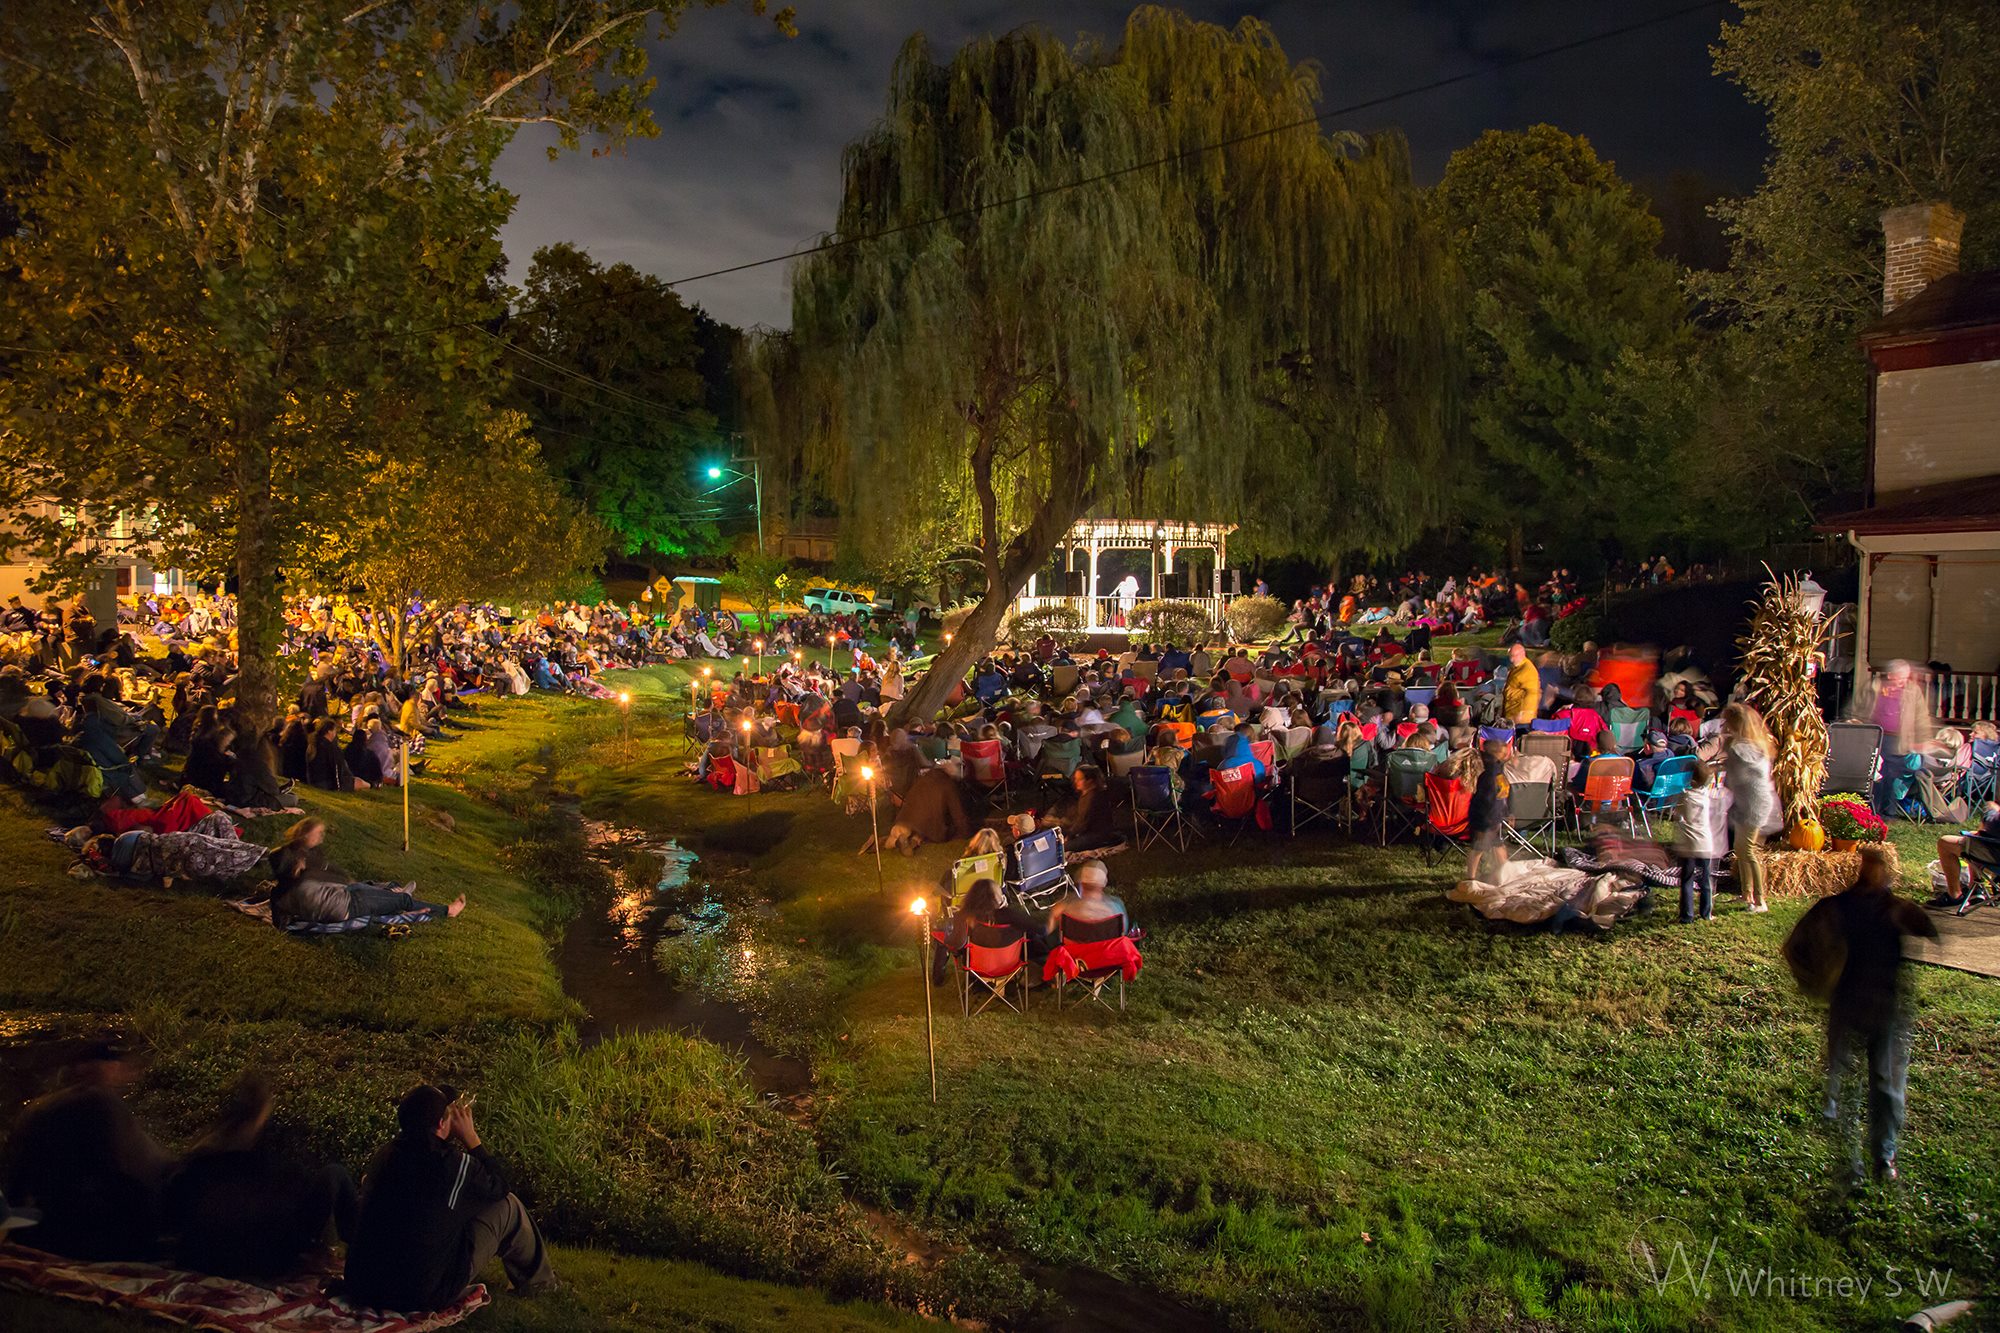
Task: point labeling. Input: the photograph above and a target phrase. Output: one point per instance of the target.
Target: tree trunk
(1514, 552)
(260, 611)
(1007, 573)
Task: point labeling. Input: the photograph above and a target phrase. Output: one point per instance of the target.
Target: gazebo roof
(1144, 532)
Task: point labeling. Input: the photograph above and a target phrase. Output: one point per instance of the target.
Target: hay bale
(1793, 874)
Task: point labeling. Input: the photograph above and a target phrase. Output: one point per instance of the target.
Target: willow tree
(1011, 326)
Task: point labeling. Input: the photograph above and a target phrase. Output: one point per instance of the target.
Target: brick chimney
(1923, 246)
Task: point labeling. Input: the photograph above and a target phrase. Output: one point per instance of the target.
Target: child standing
(1701, 836)
(1747, 750)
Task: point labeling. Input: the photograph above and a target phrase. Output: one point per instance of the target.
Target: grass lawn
(1336, 1099)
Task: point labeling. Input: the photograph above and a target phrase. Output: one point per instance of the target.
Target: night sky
(752, 124)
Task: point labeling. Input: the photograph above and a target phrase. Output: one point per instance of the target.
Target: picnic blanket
(1612, 859)
(293, 1305)
(261, 909)
(1554, 897)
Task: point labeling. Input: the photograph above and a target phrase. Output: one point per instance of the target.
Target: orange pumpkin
(1806, 834)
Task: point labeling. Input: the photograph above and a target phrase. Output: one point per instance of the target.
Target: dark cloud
(752, 125)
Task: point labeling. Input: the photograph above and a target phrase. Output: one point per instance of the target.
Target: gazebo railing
(1964, 696)
(1108, 613)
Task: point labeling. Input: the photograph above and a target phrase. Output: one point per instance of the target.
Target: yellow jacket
(1522, 698)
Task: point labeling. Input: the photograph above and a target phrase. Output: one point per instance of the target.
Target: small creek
(606, 960)
(606, 956)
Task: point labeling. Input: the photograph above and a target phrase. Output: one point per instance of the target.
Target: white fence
(1109, 614)
(1965, 696)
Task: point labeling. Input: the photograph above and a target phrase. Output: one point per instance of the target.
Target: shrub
(1569, 634)
(1163, 621)
(1255, 617)
(1057, 618)
(1846, 815)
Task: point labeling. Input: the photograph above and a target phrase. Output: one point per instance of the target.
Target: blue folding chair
(1417, 694)
(1903, 788)
(1041, 873)
(1155, 815)
(1673, 777)
(1980, 775)
(1558, 726)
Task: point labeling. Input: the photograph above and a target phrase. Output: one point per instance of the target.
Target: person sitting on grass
(309, 889)
(435, 1210)
(82, 1159)
(1091, 823)
(235, 1208)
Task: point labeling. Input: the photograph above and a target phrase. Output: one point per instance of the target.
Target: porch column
(1090, 591)
(1861, 665)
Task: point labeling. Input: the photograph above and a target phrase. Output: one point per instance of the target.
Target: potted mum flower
(1849, 822)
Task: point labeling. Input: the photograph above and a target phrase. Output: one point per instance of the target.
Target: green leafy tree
(254, 240)
(1192, 336)
(1871, 106)
(763, 582)
(519, 538)
(610, 369)
(1575, 330)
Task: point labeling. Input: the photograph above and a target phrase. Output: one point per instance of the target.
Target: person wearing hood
(1747, 751)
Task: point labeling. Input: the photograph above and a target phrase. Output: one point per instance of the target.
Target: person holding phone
(435, 1210)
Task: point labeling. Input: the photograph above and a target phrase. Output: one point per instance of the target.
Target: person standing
(1747, 751)
(1521, 698)
(1701, 836)
(1894, 701)
(1849, 950)
(435, 1210)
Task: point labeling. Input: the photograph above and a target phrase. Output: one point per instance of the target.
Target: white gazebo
(1106, 610)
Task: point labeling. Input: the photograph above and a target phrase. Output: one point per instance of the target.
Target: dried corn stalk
(1782, 650)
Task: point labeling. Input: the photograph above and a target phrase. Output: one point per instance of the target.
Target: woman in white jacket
(1746, 759)
(1701, 836)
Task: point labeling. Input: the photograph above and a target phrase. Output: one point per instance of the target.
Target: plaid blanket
(261, 909)
(294, 1305)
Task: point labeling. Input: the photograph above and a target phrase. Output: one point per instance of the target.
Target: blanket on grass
(1548, 896)
(261, 909)
(227, 1305)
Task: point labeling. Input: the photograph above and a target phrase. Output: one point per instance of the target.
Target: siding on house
(1935, 425)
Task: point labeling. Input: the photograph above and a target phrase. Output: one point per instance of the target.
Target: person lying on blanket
(208, 851)
(310, 889)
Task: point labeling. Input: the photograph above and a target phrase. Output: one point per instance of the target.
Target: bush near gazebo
(1166, 621)
(1059, 619)
(1254, 618)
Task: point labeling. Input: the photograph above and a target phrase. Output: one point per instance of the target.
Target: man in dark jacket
(1860, 932)
(435, 1210)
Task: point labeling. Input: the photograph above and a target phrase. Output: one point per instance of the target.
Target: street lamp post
(874, 824)
(921, 910)
(716, 472)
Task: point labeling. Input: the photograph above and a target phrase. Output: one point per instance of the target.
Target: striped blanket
(227, 1305)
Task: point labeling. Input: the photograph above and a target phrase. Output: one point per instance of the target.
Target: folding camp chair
(1155, 815)
(1403, 792)
(1550, 726)
(1417, 694)
(996, 960)
(1628, 727)
(1041, 874)
(1908, 792)
(1318, 791)
(1092, 944)
(968, 871)
(1447, 810)
(1531, 814)
(1233, 798)
(1607, 788)
(986, 769)
(1980, 774)
(1292, 742)
(1360, 776)
(844, 749)
(1673, 777)
(1852, 751)
(1982, 873)
(1554, 747)
(1062, 680)
(1267, 754)
(1121, 765)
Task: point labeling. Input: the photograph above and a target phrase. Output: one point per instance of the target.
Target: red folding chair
(996, 958)
(1447, 811)
(986, 769)
(1267, 755)
(1092, 954)
(1607, 789)
(1232, 798)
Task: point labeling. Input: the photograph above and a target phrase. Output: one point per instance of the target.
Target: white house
(1928, 536)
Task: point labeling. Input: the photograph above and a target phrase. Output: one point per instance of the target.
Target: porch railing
(1965, 696)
